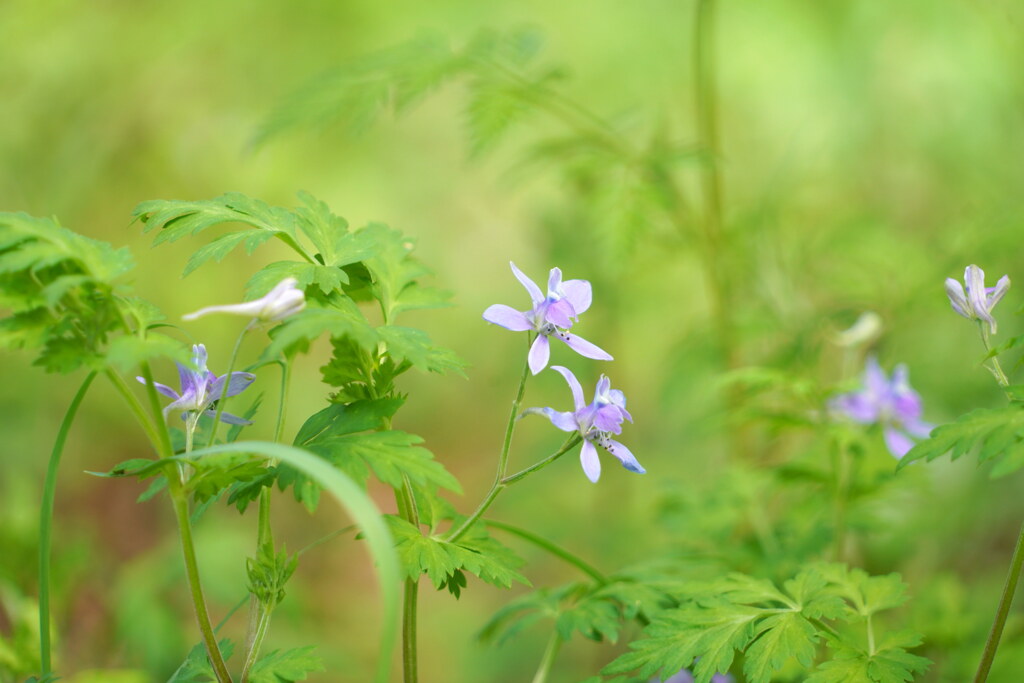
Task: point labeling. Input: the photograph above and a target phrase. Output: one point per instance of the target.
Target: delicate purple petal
(918, 428)
(619, 400)
(540, 353)
(995, 294)
(583, 347)
(240, 381)
(162, 388)
(625, 457)
(896, 441)
(957, 298)
(555, 281)
(579, 294)
(560, 313)
(564, 421)
(974, 278)
(608, 418)
(859, 407)
(531, 286)
(604, 385)
(574, 386)
(507, 317)
(590, 461)
(875, 381)
(228, 417)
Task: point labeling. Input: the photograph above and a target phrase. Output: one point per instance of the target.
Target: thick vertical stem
(46, 523)
(1003, 611)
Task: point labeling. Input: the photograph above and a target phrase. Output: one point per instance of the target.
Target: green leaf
(128, 352)
(995, 432)
(176, 219)
(475, 553)
(412, 345)
(394, 271)
(313, 322)
(392, 455)
(286, 666)
(197, 668)
(889, 663)
(224, 245)
(781, 636)
(327, 278)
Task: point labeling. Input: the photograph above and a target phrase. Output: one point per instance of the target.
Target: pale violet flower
(685, 676)
(595, 422)
(552, 314)
(888, 402)
(200, 389)
(285, 299)
(977, 302)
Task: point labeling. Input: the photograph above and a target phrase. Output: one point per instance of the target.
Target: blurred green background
(869, 150)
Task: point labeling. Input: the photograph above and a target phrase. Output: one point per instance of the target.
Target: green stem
(133, 404)
(46, 522)
(1009, 588)
(553, 548)
(261, 633)
(548, 659)
(410, 596)
(224, 390)
(994, 366)
(871, 637)
(501, 484)
(840, 466)
(163, 441)
(181, 512)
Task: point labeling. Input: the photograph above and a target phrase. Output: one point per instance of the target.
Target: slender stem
(227, 384)
(181, 512)
(46, 522)
(538, 466)
(871, 637)
(548, 659)
(553, 548)
(840, 467)
(1009, 588)
(410, 596)
(261, 633)
(994, 366)
(134, 405)
(163, 441)
(501, 484)
(282, 408)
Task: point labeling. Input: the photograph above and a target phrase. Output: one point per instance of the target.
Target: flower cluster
(554, 314)
(888, 402)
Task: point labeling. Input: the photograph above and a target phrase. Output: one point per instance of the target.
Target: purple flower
(283, 300)
(200, 389)
(889, 402)
(685, 676)
(978, 301)
(595, 422)
(551, 315)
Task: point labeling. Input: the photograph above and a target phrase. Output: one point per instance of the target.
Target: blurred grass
(870, 150)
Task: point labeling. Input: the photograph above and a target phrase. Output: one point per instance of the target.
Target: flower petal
(583, 347)
(579, 294)
(875, 381)
(974, 278)
(507, 317)
(560, 313)
(858, 406)
(555, 281)
(918, 428)
(607, 418)
(619, 400)
(574, 386)
(250, 309)
(240, 381)
(957, 298)
(624, 455)
(995, 294)
(896, 441)
(540, 353)
(590, 461)
(564, 421)
(162, 388)
(228, 417)
(531, 286)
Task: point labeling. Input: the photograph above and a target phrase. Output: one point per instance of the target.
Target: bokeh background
(868, 151)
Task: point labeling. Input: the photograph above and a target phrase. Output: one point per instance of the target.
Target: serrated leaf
(889, 663)
(197, 668)
(313, 322)
(286, 666)
(177, 218)
(995, 432)
(781, 636)
(222, 246)
(412, 345)
(392, 455)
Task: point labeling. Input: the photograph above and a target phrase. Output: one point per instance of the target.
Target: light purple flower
(685, 676)
(888, 402)
(283, 300)
(201, 389)
(553, 314)
(596, 422)
(977, 302)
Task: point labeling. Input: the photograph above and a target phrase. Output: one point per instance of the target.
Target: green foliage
(268, 573)
(443, 562)
(770, 626)
(197, 668)
(352, 437)
(886, 662)
(996, 434)
(285, 666)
